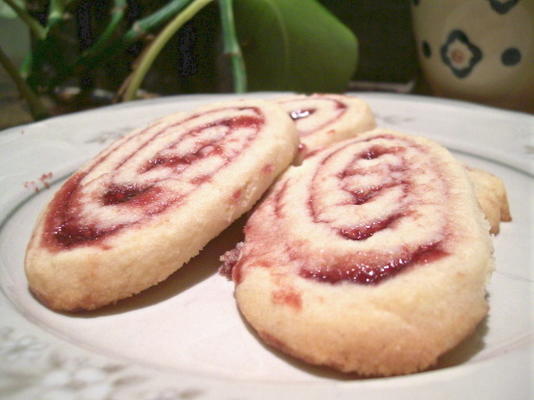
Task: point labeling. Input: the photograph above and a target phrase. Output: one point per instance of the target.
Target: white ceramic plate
(185, 339)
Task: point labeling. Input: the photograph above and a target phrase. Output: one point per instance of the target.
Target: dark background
(384, 32)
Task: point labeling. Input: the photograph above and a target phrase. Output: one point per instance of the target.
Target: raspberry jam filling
(380, 177)
(63, 229)
(91, 205)
(372, 271)
(132, 194)
(363, 232)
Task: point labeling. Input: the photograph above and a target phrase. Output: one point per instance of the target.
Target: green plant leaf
(7, 12)
(294, 45)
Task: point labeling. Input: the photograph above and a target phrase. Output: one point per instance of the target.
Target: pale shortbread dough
(491, 195)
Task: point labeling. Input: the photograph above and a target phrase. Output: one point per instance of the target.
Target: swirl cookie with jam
(371, 257)
(150, 202)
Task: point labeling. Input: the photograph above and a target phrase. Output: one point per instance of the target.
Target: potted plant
(90, 52)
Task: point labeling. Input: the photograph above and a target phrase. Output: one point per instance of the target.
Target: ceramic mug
(478, 50)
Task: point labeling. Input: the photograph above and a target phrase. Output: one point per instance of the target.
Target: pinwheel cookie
(371, 257)
(323, 119)
(491, 196)
(150, 202)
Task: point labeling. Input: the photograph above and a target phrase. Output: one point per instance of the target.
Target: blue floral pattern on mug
(502, 6)
(459, 54)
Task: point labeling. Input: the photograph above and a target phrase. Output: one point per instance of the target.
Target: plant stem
(143, 26)
(37, 109)
(55, 13)
(44, 49)
(26, 67)
(105, 47)
(117, 14)
(35, 27)
(135, 80)
(231, 46)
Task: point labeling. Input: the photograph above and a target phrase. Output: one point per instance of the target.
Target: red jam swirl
(177, 148)
(133, 194)
(373, 272)
(367, 230)
(381, 160)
